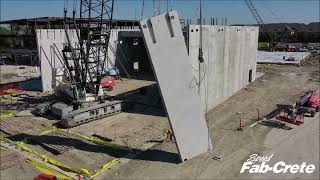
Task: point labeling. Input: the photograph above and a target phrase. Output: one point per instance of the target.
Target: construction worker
(169, 135)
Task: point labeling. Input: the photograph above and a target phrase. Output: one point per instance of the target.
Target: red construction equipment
(44, 176)
(10, 89)
(309, 102)
(314, 100)
(296, 120)
(289, 114)
(108, 83)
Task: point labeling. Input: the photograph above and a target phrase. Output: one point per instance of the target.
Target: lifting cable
(204, 78)
(169, 5)
(154, 7)
(65, 8)
(200, 45)
(200, 56)
(206, 85)
(74, 9)
(142, 10)
(280, 20)
(158, 8)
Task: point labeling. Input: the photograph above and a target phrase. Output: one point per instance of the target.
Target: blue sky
(303, 11)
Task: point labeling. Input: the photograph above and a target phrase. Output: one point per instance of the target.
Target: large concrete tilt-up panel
(50, 44)
(172, 67)
(229, 54)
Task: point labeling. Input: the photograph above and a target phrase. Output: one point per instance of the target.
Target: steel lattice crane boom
(257, 17)
(254, 12)
(260, 22)
(97, 37)
(80, 95)
(85, 61)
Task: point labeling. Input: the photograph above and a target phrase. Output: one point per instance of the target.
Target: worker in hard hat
(169, 135)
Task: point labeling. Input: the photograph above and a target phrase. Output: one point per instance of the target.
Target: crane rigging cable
(65, 9)
(142, 9)
(273, 14)
(201, 24)
(200, 56)
(158, 7)
(257, 17)
(167, 5)
(278, 19)
(74, 9)
(154, 7)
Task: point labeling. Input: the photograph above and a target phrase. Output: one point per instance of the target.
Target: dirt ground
(146, 122)
(280, 85)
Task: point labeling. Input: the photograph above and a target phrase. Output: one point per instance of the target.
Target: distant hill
(313, 27)
(304, 33)
(300, 27)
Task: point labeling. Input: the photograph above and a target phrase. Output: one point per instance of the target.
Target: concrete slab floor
(277, 57)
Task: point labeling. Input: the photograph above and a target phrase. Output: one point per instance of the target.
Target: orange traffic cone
(258, 118)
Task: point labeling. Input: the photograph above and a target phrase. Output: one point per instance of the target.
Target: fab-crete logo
(259, 164)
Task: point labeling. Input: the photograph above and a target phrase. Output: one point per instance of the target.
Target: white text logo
(252, 165)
